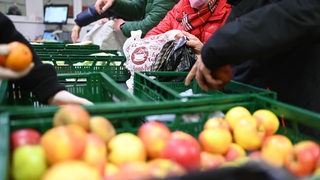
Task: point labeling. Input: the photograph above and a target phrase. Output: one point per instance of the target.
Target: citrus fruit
(19, 57)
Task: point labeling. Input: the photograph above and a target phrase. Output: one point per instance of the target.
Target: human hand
(193, 41)
(209, 79)
(102, 5)
(65, 97)
(75, 33)
(117, 23)
(6, 74)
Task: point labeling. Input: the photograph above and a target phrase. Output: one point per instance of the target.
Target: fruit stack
(83, 146)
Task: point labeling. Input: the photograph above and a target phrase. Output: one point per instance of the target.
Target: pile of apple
(80, 146)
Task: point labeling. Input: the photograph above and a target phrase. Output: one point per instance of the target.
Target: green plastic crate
(127, 117)
(96, 87)
(114, 66)
(62, 45)
(150, 86)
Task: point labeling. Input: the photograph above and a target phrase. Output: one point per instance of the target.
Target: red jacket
(173, 20)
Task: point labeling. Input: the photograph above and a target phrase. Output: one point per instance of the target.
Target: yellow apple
(63, 143)
(72, 170)
(95, 152)
(154, 136)
(248, 134)
(135, 170)
(234, 114)
(215, 141)
(268, 119)
(102, 127)
(126, 147)
(216, 122)
(110, 169)
(275, 149)
(72, 114)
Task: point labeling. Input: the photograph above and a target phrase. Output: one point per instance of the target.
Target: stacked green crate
(96, 87)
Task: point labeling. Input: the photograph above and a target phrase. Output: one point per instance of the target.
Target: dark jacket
(42, 80)
(282, 41)
(139, 14)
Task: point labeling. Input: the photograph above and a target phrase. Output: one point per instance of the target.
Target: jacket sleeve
(90, 15)
(264, 32)
(42, 81)
(165, 24)
(129, 9)
(158, 10)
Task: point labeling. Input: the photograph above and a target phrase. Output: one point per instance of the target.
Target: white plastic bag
(141, 52)
(103, 35)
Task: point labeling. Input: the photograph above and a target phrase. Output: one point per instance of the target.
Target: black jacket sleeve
(264, 32)
(42, 80)
(90, 15)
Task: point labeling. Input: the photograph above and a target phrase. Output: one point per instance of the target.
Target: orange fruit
(19, 57)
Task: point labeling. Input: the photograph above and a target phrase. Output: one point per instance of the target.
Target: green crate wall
(150, 86)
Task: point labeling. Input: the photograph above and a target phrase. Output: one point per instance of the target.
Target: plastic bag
(175, 55)
(141, 52)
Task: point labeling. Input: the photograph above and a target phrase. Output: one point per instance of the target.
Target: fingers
(191, 75)
(4, 49)
(102, 5)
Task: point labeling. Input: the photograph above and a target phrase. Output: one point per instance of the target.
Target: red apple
(184, 149)
(72, 114)
(235, 151)
(211, 161)
(302, 160)
(26, 136)
(154, 136)
(63, 143)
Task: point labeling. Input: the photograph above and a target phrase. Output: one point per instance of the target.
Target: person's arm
(157, 12)
(90, 15)
(264, 32)
(42, 80)
(165, 24)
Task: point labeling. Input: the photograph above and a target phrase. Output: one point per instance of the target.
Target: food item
(161, 168)
(303, 159)
(126, 147)
(235, 151)
(72, 170)
(235, 113)
(268, 119)
(183, 149)
(211, 161)
(154, 136)
(63, 143)
(216, 122)
(72, 114)
(248, 134)
(19, 57)
(102, 127)
(215, 141)
(26, 136)
(29, 162)
(275, 149)
(95, 152)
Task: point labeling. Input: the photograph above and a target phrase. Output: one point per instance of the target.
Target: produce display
(80, 145)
